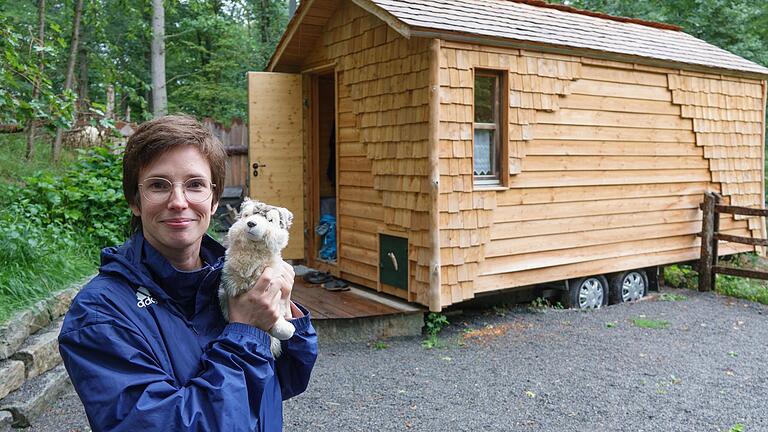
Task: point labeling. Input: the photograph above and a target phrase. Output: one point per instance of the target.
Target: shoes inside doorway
(336, 285)
(316, 277)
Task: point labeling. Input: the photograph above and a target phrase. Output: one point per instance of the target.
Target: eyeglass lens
(158, 189)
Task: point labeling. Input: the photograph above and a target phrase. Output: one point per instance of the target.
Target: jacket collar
(143, 266)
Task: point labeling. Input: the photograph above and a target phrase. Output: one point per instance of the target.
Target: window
(488, 131)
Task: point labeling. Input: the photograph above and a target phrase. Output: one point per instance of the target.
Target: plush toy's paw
(275, 346)
(282, 329)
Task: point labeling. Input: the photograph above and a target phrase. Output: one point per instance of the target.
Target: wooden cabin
(472, 146)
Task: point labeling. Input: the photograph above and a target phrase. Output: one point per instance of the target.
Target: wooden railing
(711, 235)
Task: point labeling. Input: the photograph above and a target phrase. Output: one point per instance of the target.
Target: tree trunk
(32, 126)
(110, 114)
(82, 71)
(264, 21)
(159, 95)
(70, 72)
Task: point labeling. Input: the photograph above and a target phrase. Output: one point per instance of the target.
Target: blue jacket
(147, 349)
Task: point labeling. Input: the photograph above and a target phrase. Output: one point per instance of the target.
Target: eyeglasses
(158, 189)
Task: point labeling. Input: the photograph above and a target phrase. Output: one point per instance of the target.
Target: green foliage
(14, 166)
(748, 289)
(739, 26)
(53, 224)
(738, 427)
(681, 276)
(650, 323)
(86, 199)
(434, 324)
(31, 275)
(20, 68)
(379, 345)
(542, 304)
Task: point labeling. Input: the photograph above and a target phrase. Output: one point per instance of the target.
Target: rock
(40, 352)
(59, 304)
(35, 395)
(5, 421)
(11, 376)
(41, 316)
(14, 332)
(24, 323)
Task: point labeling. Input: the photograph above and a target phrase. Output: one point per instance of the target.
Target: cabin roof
(530, 23)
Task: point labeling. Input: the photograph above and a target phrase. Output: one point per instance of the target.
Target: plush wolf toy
(255, 241)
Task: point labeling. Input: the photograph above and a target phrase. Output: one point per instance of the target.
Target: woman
(144, 342)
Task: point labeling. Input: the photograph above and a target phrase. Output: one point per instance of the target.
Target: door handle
(392, 257)
(256, 167)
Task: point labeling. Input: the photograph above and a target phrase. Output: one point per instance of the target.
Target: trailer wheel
(628, 286)
(587, 293)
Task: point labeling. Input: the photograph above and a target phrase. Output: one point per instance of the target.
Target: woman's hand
(260, 306)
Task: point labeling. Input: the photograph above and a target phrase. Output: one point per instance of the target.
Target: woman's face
(175, 227)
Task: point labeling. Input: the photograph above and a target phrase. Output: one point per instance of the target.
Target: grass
(648, 323)
(682, 276)
(24, 283)
(13, 166)
(380, 345)
(672, 297)
(28, 278)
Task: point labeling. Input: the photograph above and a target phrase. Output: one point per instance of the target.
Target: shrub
(681, 276)
(744, 288)
(53, 225)
(85, 200)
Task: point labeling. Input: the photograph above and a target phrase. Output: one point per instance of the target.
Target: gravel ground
(558, 370)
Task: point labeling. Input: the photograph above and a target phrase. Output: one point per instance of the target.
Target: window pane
(485, 90)
(484, 152)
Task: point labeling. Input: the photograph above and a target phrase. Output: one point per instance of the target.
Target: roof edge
(392, 21)
(430, 33)
(571, 9)
(397, 25)
(290, 30)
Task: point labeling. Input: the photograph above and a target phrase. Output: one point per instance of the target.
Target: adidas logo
(144, 298)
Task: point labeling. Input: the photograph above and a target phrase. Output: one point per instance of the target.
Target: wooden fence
(235, 140)
(710, 236)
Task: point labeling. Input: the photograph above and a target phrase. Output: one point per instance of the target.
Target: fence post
(715, 241)
(707, 240)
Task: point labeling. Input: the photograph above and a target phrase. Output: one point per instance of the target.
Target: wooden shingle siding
(727, 116)
(611, 172)
(382, 135)
(535, 84)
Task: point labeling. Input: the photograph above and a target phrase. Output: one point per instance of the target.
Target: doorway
(323, 251)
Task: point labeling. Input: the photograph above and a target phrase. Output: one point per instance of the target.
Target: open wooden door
(275, 149)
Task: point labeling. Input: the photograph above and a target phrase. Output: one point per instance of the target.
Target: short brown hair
(155, 137)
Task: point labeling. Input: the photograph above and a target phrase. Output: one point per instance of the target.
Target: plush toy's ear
(286, 217)
(245, 207)
(260, 208)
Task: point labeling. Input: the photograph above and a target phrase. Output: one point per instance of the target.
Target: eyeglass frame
(173, 188)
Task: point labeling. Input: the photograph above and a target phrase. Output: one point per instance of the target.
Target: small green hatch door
(393, 261)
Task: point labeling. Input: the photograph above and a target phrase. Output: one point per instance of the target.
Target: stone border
(29, 356)
(27, 322)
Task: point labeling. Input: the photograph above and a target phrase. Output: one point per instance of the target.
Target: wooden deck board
(324, 304)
